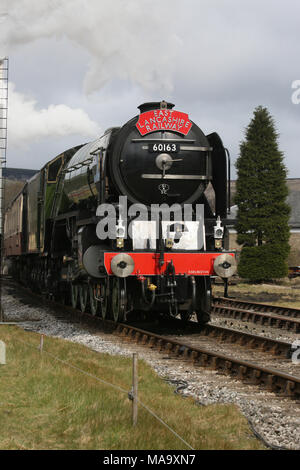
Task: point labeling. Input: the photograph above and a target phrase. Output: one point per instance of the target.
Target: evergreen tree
(261, 192)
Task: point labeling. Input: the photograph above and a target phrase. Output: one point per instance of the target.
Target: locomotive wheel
(83, 297)
(118, 300)
(94, 303)
(185, 315)
(74, 295)
(204, 300)
(105, 298)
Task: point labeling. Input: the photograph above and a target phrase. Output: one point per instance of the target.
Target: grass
(45, 404)
(284, 292)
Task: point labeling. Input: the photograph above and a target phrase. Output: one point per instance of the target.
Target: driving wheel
(118, 300)
(94, 303)
(74, 295)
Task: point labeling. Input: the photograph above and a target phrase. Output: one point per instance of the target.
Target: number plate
(164, 147)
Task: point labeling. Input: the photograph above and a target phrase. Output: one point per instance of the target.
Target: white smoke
(28, 123)
(126, 39)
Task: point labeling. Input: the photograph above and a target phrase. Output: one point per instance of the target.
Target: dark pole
(226, 287)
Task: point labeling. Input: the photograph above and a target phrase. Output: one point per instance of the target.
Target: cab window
(53, 170)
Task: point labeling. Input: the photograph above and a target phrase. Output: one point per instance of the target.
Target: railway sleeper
(215, 362)
(152, 342)
(289, 388)
(145, 339)
(270, 383)
(139, 337)
(254, 377)
(169, 347)
(203, 359)
(242, 371)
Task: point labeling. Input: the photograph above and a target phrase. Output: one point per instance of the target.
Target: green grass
(45, 404)
(285, 292)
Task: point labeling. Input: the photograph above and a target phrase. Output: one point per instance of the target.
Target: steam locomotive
(123, 225)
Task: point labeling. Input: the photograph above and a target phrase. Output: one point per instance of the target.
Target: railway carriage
(122, 224)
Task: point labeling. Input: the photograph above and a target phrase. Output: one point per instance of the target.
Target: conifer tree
(261, 192)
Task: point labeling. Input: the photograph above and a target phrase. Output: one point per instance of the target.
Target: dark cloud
(215, 60)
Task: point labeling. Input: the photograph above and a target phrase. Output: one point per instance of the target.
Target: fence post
(135, 388)
(2, 353)
(41, 343)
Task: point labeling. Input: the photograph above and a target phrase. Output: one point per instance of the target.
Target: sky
(77, 67)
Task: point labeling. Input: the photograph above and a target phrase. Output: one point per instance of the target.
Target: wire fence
(41, 349)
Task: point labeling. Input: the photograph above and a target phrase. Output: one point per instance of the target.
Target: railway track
(248, 340)
(263, 314)
(271, 379)
(259, 306)
(249, 372)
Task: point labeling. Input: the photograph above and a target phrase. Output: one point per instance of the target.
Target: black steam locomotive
(122, 224)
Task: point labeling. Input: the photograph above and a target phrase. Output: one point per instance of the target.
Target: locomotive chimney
(155, 105)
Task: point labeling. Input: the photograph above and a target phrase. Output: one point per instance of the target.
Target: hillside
(21, 174)
(16, 177)
(14, 180)
(11, 189)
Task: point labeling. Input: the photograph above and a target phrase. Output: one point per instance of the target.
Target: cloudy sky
(78, 67)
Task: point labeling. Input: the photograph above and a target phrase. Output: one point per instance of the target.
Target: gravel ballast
(275, 418)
